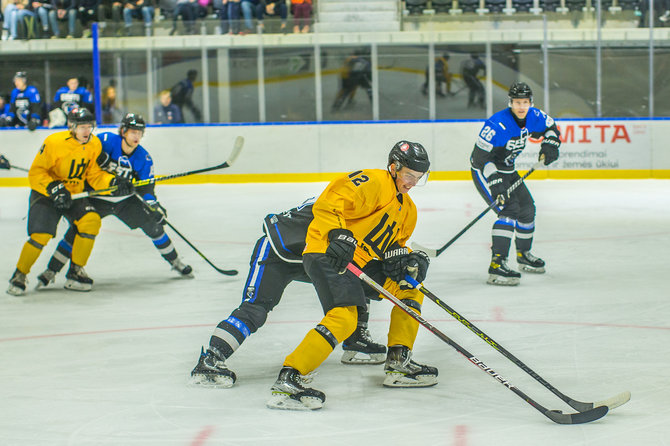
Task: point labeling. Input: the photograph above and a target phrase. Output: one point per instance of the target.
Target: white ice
(110, 367)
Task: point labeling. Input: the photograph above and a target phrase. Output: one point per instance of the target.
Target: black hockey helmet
(21, 75)
(520, 90)
(132, 121)
(409, 154)
(78, 116)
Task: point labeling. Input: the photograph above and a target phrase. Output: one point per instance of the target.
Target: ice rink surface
(110, 367)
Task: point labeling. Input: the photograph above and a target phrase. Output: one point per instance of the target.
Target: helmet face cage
(132, 121)
(520, 90)
(411, 155)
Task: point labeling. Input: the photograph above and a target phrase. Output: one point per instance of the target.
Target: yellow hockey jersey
(63, 158)
(367, 203)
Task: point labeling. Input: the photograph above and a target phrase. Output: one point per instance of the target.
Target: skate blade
(283, 401)
(15, 291)
(76, 286)
(394, 379)
(40, 285)
(352, 357)
(531, 269)
(504, 281)
(211, 381)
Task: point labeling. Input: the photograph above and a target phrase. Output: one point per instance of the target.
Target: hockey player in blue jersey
(123, 155)
(501, 140)
(73, 95)
(24, 104)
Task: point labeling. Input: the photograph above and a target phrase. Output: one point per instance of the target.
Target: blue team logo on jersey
(123, 167)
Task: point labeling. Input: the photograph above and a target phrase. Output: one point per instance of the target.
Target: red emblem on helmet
(404, 147)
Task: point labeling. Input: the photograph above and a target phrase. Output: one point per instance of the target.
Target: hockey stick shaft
(239, 143)
(555, 416)
(517, 183)
(227, 272)
(613, 402)
(19, 168)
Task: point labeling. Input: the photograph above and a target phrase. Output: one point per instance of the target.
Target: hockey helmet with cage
(411, 155)
(21, 75)
(132, 121)
(520, 90)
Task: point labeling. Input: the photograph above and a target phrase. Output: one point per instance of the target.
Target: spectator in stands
(61, 11)
(302, 12)
(138, 9)
(89, 11)
(112, 9)
(15, 13)
(230, 15)
(187, 10)
(249, 9)
(469, 70)
(165, 112)
(182, 95)
(111, 114)
(272, 8)
(442, 76)
(41, 9)
(24, 104)
(356, 72)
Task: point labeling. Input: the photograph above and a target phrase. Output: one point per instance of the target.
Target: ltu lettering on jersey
(488, 370)
(381, 236)
(77, 170)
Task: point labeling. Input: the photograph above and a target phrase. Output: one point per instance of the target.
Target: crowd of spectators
(31, 19)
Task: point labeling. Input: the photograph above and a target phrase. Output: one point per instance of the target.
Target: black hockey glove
(7, 121)
(341, 248)
(417, 265)
(59, 195)
(497, 187)
(123, 186)
(158, 212)
(395, 263)
(549, 149)
(33, 123)
(4, 163)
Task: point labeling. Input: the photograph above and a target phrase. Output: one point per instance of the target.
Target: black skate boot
(44, 279)
(501, 274)
(211, 371)
(401, 371)
(359, 348)
(77, 279)
(529, 263)
(17, 284)
(289, 393)
(184, 270)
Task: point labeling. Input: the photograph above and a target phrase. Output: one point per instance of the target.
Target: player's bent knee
(40, 240)
(89, 224)
(341, 322)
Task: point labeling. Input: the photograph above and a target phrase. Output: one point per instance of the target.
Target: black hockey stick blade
(577, 418)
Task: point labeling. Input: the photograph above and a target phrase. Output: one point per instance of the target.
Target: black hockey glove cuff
(33, 123)
(341, 248)
(123, 186)
(158, 212)
(395, 262)
(549, 150)
(496, 186)
(60, 196)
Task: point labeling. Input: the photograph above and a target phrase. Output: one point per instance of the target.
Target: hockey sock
(229, 335)
(403, 328)
(164, 245)
(31, 251)
(524, 235)
(335, 327)
(503, 230)
(61, 256)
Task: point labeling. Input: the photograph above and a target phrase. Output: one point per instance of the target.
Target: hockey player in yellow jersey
(63, 164)
(365, 217)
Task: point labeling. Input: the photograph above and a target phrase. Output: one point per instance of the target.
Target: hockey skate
(183, 270)
(44, 279)
(77, 279)
(529, 263)
(501, 274)
(17, 284)
(289, 393)
(359, 348)
(211, 371)
(401, 371)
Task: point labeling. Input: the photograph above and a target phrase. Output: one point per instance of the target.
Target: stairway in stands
(357, 15)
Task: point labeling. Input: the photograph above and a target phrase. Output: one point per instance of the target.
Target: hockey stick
(611, 403)
(227, 272)
(554, 415)
(239, 142)
(437, 252)
(19, 168)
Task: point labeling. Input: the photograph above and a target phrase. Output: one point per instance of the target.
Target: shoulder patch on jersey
(484, 144)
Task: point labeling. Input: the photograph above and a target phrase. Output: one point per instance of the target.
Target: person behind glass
(139, 9)
(72, 96)
(302, 12)
(89, 11)
(186, 9)
(272, 8)
(61, 11)
(230, 14)
(110, 112)
(501, 140)
(165, 112)
(4, 109)
(24, 104)
(442, 76)
(356, 72)
(41, 9)
(182, 95)
(469, 70)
